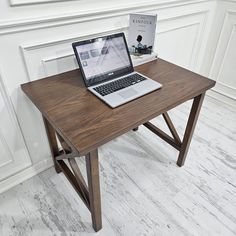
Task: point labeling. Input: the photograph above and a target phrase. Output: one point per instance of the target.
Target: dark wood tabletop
(86, 122)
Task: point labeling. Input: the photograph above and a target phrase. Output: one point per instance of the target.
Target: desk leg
(94, 188)
(90, 194)
(192, 120)
(52, 143)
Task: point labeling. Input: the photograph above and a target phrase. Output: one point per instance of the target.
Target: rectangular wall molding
(77, 17)
(33, 2)
(14, 156)
(50, 64)
(30, 51)
(223, 66)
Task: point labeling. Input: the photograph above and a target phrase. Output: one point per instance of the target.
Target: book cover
(141, 34)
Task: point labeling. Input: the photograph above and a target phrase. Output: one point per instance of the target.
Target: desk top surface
(87, 123)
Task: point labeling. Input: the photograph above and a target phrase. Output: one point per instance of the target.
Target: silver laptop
(108, 71)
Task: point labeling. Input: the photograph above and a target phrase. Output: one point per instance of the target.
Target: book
(141, 33)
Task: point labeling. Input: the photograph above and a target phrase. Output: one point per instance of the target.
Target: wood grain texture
(86, 123)
(92, 167)
(171, 127)
(52, 143)
(73, 181)
(80, 180)
(162, 135)
(192, 121)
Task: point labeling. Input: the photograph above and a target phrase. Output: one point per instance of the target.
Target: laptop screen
(103, 58)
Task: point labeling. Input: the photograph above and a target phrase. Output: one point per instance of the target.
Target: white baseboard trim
(221, 97)
(25, 174)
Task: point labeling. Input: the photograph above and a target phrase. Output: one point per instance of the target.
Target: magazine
(141, 34)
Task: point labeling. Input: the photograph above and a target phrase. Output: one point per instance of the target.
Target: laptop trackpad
(128, 93)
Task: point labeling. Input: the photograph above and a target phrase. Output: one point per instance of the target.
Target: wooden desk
(82, 122)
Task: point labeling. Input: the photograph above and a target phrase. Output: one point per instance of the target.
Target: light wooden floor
(143, 191)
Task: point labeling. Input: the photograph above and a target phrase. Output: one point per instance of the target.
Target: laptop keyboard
(116, 85)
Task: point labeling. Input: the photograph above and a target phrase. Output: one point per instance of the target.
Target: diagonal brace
(171, 127)
(82, 192)
(162, 135)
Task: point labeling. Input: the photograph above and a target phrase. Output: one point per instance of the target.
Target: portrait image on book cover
(141, 48)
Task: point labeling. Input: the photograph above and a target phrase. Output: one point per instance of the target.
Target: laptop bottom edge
(128, 94)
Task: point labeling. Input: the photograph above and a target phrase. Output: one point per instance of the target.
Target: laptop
(108, 72)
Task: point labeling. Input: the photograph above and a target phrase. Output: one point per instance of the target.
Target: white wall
(221, 59)
(36, 37)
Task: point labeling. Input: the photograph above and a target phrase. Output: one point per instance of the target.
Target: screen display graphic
(103, 57)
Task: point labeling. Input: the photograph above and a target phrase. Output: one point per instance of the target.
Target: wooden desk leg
(52, 143)
(94, 188)
(192, 120)
(90, 195)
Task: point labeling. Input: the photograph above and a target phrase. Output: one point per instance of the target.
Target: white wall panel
(6, 156)
(44, 58)
(13, 154)
(223, 68)
(47, 58)
(36, 13)
(181, 39)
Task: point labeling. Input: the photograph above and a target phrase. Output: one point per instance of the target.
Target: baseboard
(221, 97)
(25, 174)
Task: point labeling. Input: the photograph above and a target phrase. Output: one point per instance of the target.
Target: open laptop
(108, 71)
